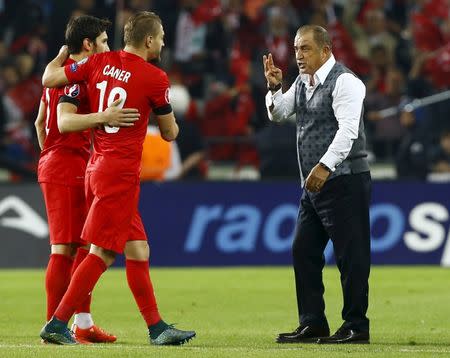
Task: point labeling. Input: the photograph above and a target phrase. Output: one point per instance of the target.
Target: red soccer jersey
(64, 156)
(141, 85)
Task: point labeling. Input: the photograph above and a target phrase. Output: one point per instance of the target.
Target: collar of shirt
(321, 74)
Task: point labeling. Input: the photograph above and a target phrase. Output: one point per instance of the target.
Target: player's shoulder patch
(73, 67)
(167, 95)
(72, 90)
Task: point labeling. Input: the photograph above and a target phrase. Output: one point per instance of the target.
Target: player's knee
(62, 249)
(73, 250)
(107, 256)
(137, 250)
(78, 248)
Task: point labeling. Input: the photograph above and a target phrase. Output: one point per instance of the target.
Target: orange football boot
(93, 334)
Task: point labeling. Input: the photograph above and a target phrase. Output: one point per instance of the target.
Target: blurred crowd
(213, 55)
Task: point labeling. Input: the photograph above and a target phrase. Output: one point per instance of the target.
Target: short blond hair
(139, 26)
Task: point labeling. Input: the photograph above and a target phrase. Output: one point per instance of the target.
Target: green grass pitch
(236, 312)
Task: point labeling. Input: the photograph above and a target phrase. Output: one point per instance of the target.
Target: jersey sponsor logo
(73, 67)
(72, 90)
(167, 95)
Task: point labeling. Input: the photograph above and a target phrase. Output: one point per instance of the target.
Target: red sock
(138, 277)
(81, 285)
(57, 279)
(85, 306)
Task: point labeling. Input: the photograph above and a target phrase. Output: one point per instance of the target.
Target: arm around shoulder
(114, 116)
(54, 74)
(70, 121)
(54, 77)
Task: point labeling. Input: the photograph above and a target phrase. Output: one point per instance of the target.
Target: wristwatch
(325, 167)
(274, 88)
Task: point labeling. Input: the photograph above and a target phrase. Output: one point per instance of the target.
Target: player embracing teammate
(113, 224)
(61, 171)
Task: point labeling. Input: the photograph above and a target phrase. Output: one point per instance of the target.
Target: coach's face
(309, 56)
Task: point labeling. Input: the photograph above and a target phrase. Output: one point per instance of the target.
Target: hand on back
(116, 116)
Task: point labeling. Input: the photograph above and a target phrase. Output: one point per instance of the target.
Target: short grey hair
(320, 35)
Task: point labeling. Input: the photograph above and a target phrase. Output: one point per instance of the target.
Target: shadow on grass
(412, 343)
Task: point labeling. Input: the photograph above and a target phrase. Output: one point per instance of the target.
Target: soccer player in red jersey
(113, 224)
(61, 172)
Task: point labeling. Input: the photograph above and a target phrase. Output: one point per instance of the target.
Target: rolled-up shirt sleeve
(281, 106)
(348, 97)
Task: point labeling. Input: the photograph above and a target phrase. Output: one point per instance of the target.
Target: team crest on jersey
(167, 95)
(72, 90)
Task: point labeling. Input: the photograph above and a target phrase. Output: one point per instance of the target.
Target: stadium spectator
(386, 131)
(288, 10)
(20, 102)
(411, 156)
(190, 52)
(437, 67)
(278, 39)
(228, 113)
(190, 142)
(379, 65)
(427, 36)
(375, 33)
(343, 47)
(439, 156)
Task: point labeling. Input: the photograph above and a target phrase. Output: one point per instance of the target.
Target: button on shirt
(348, 96)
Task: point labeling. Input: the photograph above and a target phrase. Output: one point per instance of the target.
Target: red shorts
(113, 217)
(137, 230)
(66, 212)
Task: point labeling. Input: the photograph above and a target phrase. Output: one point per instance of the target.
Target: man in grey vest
(327, 100)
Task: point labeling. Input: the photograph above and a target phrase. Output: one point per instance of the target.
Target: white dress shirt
(348, 96)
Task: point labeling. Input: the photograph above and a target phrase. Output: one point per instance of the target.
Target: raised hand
(273, 74)
(116, 116)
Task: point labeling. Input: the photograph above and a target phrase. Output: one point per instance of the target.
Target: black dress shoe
(304, 334)
(345, 335)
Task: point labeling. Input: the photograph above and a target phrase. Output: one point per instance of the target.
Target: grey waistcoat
(317, 126)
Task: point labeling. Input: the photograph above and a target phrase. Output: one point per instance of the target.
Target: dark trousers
(340, 212)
